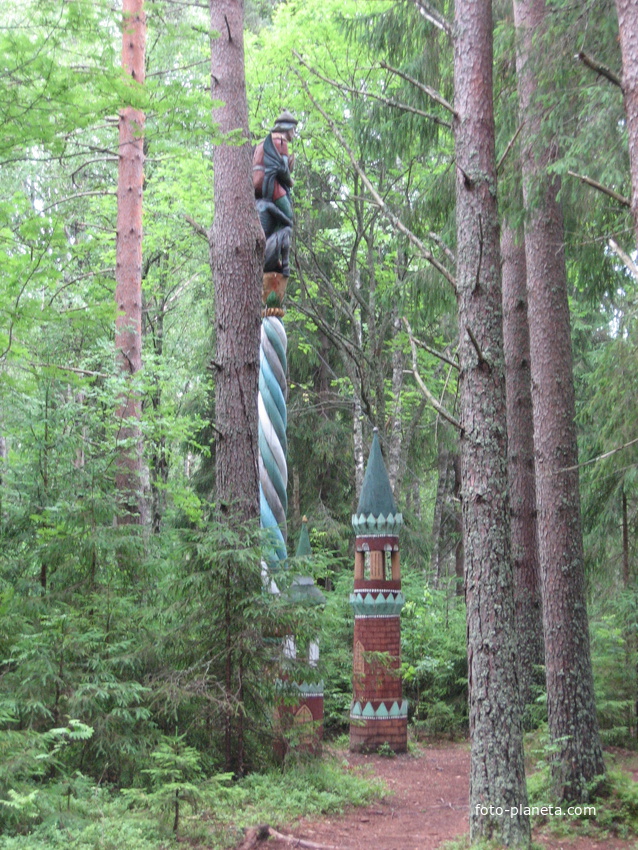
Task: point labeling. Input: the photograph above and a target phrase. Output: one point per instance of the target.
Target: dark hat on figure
(286, 121)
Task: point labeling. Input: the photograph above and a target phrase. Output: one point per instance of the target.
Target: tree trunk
(570, 691)
(628, 34)
(394, 433)
(520, 440)
(128, 269)
(442, 495)
(236, 252)
(4, 454)
(497, 773)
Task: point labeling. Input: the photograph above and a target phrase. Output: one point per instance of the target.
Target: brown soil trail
(426, 805)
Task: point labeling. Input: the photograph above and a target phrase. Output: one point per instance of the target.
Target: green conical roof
(376, 494)
(377, 511)
(303, 547)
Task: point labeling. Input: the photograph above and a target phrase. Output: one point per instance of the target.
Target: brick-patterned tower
(379, 714)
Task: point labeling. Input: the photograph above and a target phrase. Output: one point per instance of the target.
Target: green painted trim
(397, 710)
(379, 606)
(306, 689)
(370, 524)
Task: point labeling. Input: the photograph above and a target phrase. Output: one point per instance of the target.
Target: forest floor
(426, 806)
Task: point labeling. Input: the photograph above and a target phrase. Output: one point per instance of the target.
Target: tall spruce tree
(236, 252)
(497, 774)
(573, 725)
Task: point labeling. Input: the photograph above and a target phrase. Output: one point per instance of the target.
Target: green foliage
(96, 817)
(434, 661)
(386, 751)
(173, 776)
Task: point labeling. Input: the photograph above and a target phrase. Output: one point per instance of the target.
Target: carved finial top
(286, 121)
(377, 511)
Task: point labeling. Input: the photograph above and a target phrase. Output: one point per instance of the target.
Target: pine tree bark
(236, 252)
(570, 692)
(128, 269)
(497, 774)
(628, 34)
(522, 486)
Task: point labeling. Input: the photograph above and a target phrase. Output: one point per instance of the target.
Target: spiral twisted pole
(273, 445)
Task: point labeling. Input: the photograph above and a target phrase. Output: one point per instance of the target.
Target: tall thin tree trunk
(497, 773)
(236, 253)
(570, 691)
(394, 433)
(520, 440)
(357, 440)
(4, 454)
(128, 268)
(627, 11)
(357, 422)
(442, 495)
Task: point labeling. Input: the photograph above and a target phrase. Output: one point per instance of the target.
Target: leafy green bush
(434, 661)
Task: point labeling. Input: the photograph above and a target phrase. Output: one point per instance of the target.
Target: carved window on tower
(304, 715)
(377, 566)
(357, 665)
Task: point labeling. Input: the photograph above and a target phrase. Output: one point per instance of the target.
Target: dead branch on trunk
(624, 257)
(436, 97)
(421, 385)
(433, 16)
(599, 68)
(508, 148)
(199, 229)
(604, 189)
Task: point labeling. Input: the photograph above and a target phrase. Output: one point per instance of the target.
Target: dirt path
(427, 806)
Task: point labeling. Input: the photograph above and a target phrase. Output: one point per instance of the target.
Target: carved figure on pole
(272, 181)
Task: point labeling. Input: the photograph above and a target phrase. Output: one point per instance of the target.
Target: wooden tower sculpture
(379, 714)
(308, 712)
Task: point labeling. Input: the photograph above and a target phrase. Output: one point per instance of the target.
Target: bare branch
(180, 68)
(78, 195)
(90, 162)
(438, 354)
(599, 457)
(424, 390)
(88, 373)
(199, 229)
(394, 220)
(624, 258)
(445, 248)
(436, 97)
(604, 189)
(433, 16)
(603, 70)
(395, 104)
(509, 147)
(258, 834)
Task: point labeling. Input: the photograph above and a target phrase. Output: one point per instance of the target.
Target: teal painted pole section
(273, 464)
